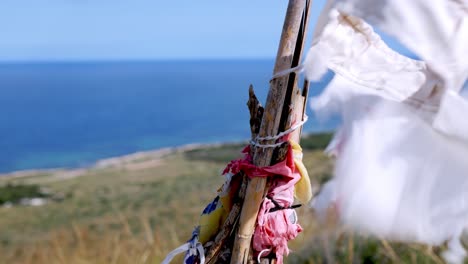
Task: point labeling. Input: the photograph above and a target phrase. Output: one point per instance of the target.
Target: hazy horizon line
(126, 60)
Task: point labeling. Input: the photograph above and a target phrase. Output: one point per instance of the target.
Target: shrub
(13, 193)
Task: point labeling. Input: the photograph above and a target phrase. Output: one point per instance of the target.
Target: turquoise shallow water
(72, 114)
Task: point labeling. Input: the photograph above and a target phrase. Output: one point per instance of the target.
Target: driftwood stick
(256, 113)
(278, 115)
(212, 255)
(221, 238)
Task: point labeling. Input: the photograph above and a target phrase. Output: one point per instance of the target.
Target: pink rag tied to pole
(276, 221)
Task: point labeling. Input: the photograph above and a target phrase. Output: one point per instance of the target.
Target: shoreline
(153, 155)
(126, 161)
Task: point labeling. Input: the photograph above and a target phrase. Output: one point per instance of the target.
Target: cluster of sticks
(285, 105)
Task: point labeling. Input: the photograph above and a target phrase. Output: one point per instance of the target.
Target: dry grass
(138, 213)
(112, 241)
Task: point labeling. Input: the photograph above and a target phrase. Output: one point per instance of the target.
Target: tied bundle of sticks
(285, 106)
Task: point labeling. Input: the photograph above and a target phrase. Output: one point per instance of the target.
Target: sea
(71, 114)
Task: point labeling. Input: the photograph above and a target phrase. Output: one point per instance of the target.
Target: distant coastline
(113, 162)
(73, 114)
(127, 161)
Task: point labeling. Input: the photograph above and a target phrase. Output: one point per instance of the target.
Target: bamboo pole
(284, 105)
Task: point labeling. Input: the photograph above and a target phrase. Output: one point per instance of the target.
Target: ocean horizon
(71, 114)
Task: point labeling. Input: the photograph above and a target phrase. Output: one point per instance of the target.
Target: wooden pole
(222, 238)
(285, 105)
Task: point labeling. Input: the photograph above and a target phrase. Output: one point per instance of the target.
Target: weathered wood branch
(284, 106)
(224, 235)
(256, 113)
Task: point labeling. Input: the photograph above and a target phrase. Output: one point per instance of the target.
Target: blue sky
(140, 29)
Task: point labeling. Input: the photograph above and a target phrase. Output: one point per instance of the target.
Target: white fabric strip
(402, 151)
(192, 248)
(436, 30)
(350, 48)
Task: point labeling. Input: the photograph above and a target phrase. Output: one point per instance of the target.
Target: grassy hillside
(138, 211)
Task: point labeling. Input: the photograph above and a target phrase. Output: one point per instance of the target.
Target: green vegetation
(316, 141)
(13, 193)
(138, 212)
(223, 153)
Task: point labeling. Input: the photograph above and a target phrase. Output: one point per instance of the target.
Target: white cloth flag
(436, 30)
(402, 151)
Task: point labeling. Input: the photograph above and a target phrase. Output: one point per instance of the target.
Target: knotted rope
(256, 142)
(193, 248)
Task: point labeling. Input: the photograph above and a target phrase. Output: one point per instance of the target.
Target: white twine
(256, 143)
(296, 69)
(192, 248)
(264, 146)
(267, 250)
